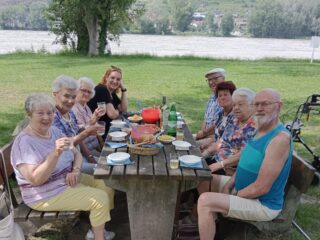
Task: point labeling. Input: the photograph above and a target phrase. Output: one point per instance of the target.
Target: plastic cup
(174, 161)
(69, 144)
(103, 106)
(101, 131)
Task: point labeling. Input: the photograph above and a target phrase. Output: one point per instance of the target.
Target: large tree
(85, 24)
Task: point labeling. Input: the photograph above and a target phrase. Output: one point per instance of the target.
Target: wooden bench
(300, 178)
(25, 216)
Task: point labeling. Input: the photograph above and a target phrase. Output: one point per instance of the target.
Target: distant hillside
(4, 3)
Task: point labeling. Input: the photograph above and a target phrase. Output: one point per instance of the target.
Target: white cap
(216, 70)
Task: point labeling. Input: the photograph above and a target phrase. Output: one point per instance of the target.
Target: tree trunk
(93, 31)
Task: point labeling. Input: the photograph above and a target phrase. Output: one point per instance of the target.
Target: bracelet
(222, 165)
(76, 168)
(123, 90)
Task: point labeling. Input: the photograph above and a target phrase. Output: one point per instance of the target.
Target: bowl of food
(150, 115)
(166, 138)
(135, 118)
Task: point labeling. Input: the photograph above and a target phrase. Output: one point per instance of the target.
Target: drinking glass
(69, 144)
(180, 135)
(101, 130)
(103, 106)
(174, 160)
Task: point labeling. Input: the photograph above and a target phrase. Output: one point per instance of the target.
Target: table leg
(151, 206)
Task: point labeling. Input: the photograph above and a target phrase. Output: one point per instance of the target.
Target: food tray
(143, 150)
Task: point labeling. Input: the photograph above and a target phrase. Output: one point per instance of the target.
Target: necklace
(39, 134)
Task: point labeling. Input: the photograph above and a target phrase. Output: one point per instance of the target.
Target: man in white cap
(213, 77)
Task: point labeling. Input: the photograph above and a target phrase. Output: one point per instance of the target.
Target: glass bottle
(172, 121)
(164, 113)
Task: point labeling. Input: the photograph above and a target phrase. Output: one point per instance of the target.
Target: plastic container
(150, 115)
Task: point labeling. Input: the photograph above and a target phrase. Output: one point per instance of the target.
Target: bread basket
(143, 150)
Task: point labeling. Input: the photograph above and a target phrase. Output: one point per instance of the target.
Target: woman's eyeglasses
(86, 91)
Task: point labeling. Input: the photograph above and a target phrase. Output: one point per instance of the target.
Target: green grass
(181, 79)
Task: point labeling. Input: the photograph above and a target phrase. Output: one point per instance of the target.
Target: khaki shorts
(247, 209)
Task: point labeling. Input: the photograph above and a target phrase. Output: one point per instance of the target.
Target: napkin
(126, 162)
(116, 144)
(113, 129)
(195, 165)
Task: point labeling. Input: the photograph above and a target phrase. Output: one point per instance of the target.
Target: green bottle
(172, 121)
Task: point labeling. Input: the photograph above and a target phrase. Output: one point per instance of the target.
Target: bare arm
(228, 162)
(112, 112)
(39, 174)
(123, 106)
(276, 155)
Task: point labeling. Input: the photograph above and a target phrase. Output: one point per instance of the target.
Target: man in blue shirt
(213, 77)
(256, 191)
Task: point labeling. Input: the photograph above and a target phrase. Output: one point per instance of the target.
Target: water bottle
(172, 121)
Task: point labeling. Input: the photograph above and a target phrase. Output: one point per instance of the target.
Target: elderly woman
(65, 92)
(224, 91)
(111, 83)
(47, 169)
(237, 134)
(83, 113)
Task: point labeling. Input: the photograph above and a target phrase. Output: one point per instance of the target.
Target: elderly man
(256, 191)
(214, 77)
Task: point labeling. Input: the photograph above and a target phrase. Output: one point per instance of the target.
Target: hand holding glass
(102, 128)
(102, 106)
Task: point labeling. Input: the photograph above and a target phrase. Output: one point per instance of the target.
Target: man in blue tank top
(256, 191)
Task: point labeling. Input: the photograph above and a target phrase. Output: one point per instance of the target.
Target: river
(213, 47)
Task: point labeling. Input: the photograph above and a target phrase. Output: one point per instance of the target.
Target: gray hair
(89, 82)
(245, 92)
(38, 100)
(64, 81)
(216, 70)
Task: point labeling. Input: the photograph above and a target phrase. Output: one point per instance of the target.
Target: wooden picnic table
(152, 188)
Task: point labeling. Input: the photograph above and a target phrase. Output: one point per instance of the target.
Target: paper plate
(189, 159)
(119, 157)
(181, 144)
(118, 134)
(135, 118)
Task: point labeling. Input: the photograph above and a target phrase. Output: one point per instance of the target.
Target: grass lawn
(180, 79)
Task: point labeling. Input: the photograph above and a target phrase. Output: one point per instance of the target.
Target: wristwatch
(123, 90)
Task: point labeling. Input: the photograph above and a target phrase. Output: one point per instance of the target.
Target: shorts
(247, 209)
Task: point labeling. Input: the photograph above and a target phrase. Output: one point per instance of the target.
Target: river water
(214, 47)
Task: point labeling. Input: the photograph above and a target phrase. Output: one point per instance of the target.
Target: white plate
(190, 159)
(181, 144)
(118, 123)
(119, 157)
(118, 134)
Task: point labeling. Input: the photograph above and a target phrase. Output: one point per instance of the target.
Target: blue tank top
(250, 163)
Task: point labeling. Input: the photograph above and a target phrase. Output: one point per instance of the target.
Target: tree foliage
(285, 19)
(88, 25)
(227, 24)
(29, 16)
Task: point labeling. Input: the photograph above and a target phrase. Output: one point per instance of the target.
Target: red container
(150, 115)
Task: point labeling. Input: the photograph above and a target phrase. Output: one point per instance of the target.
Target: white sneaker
(107, 235)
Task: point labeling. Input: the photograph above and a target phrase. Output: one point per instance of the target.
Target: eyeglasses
(213, 78)
(263, 104)
(85, 91)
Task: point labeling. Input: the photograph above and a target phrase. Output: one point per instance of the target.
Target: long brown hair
(108, 72)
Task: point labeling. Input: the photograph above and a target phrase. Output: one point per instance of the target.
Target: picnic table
(152, 188)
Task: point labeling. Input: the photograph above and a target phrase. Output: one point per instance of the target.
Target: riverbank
(181, 79)
(171, 45)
